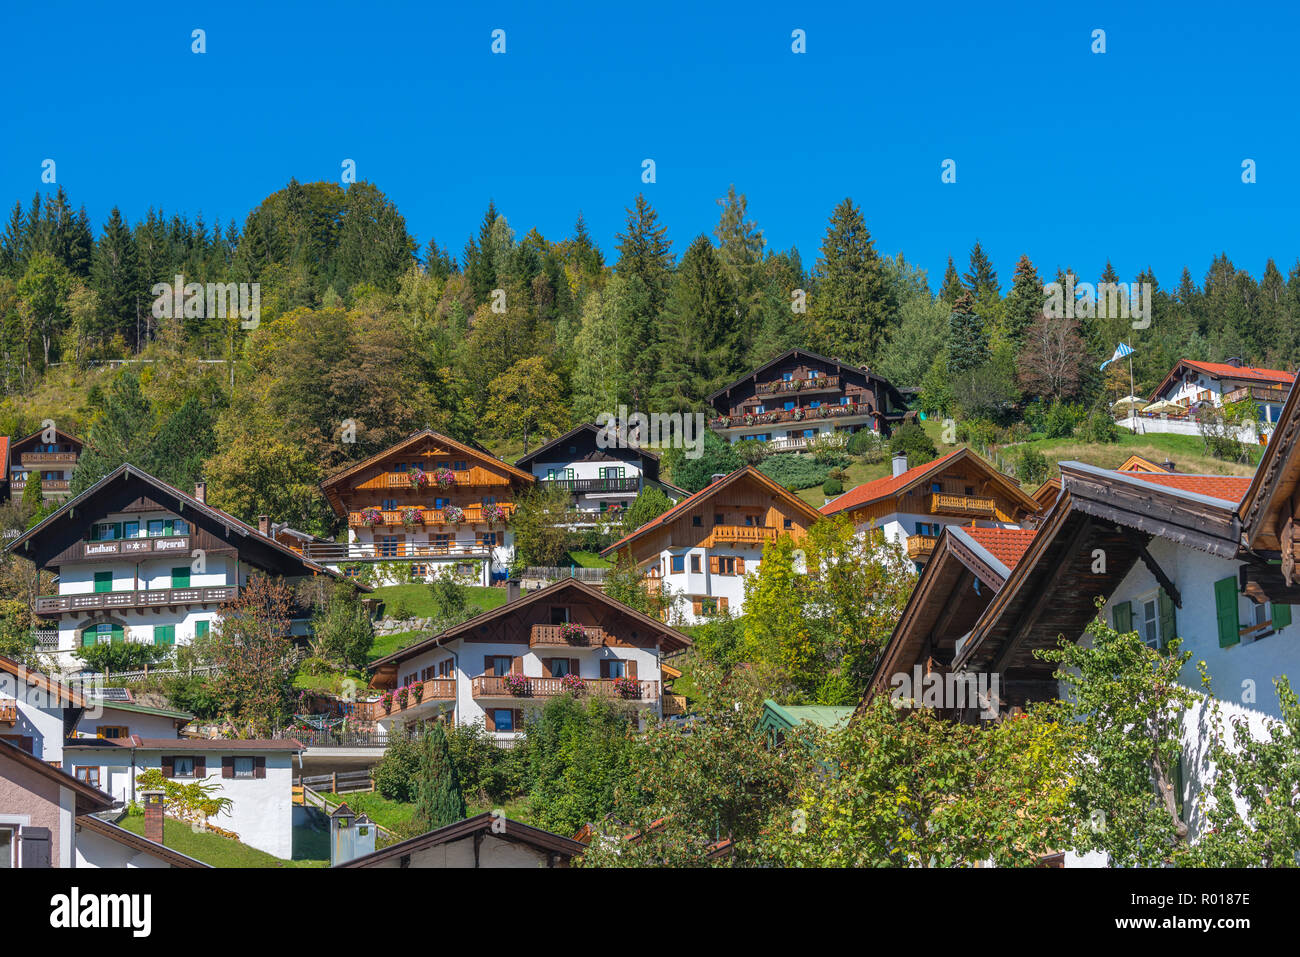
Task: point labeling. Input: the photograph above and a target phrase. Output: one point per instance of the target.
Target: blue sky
(1069, 156)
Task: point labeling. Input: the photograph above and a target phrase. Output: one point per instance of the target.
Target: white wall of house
(39, 718)
(98, 714)
(900, 526)
(261, 812)
(704, 584)
(463, 549)
(778, 434)
(96, 850)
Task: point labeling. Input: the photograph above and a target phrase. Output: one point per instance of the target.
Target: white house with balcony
(496, 668)
(49, 453)
(602, 477)
(137, 560)
(1192, 384)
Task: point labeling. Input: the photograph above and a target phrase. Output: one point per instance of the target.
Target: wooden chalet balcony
(943, 504)
(465, 478)
(921, 546)
(45, 460)
(9, 712)
(331, 552)
(744, 534)
(396, 518)
(674, 703)
(596, 484)
(435, 690)
(548, 636)
(1259, 393)
(805, 415)
(494, 686)
(47, 485)
(135, 547)
(154, 598)
(822, 383)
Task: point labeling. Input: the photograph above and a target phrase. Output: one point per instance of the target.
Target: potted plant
(371, 517)
(572, 683)
(417, 691)
(626, 687)
(749, 418)
(493, 513)
(516, 684)
(445, 477)
(402, 694)
(454, 514)
(386, 701)
(798, 415)
(412, 517)
(572, 631)
(418, 478)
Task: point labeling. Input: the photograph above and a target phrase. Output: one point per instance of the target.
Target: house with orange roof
(700, 550)
(1192, 383)
(429, 503)
(913, 505)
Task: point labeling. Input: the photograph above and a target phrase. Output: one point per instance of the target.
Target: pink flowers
(418, 478)
(493, 513)
(454, 514)
(371, 516)
(386, 700)
(516, 684)
(626, 687)
(445, 477)
(571, 682)
(572, 631)
(412, 516)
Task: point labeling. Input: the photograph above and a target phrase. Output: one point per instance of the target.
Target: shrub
(1060, 420)
(868, 445)
(1100, 427)
(395, 775)
(1032, 466)
(794, 471)
(910, 439)
(832, 487)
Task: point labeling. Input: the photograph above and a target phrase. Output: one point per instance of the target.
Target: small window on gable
(697, 521)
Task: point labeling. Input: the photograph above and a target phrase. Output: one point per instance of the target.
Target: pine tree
(968, 341)
(480, 258)
(952, 287)
(699, 335)
(184, 440)
(644, 251)
(852, 300)
(115, 276)
(438, 800)
(982, 281)
(1024, 303)
(119, 436)
(13, 254)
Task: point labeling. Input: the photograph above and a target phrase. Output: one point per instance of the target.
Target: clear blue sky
(1063, 154)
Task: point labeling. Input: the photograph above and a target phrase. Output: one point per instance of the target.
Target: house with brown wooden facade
(914, 505)
(430, 504)
(495, 668)
(49, 453)
(799, 396)
(699, 552)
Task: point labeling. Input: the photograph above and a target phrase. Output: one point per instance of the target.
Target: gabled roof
(1267, 502)
(1136, 463)
(330, 485)
(487, 822)
(1046, 493)
(89, 799)
(744, 473)
(65, 694)
(529, 457)
(776, 716)
(183, 717)
(67, 436)
(1007, 545)
(136, 842)
(1224, 370)
(73, 510)
(804, 353)
(1225, 488)
(892, 485)
(673, 640)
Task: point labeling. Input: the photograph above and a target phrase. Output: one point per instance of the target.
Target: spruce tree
(644, 251)
(952, 287)
(982, 281)
(438, 801)
(852, 300)
(699, 335)
(120, 435)
(115, 277)
(1024, 303)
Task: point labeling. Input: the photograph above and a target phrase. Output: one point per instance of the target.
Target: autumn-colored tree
(1052, 358)
(526, 399)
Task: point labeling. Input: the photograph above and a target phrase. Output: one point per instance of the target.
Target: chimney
(153, 815)
(512, 590)
(900, 464)
(1234, 361)
(717, 476)
(264, 525)
(201, 491)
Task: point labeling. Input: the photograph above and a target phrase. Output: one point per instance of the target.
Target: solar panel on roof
(114, 694)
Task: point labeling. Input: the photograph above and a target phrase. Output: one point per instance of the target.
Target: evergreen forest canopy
(366, 334)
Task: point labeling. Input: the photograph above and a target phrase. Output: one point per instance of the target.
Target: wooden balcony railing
(475, 477)
(47, 486)
(435, 689)
(44, 460)
(745, 534)
(596, 484)
(942, 503)
(806, 414)
(392, 518)
(8, 712)
(674, 703)
(819, 383)
(494, 686)
(920, 546)
(1258, 392)
(154, 598)
(549, 636)
(332, 552)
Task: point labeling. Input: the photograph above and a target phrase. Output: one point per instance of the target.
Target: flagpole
(1131, 390)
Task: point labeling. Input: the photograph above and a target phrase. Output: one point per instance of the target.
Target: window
(760, 409)
(399, 467)
(103, 582)
(130, 529)
(844, 400)
(164, 634)
(388, 505)
(1149, 625)
(697, 521)
(180, 527)
(419, 569)
(815, 404)
(614, 668)
(106, 531)
(559, 614)
(936, 487)
(440, 502)
(695, 564)
(788, 405)
(789, 523)
(726, 565)
(182, 767)
(388, 546)
(749, 520)
(717, 518)
(503, 719)
(559, 667)
(444, 668)
(89, 775)
(679, 564)
(201, 628)
(487, 539)
(155, 526)
(787, 376)
(499, 665)
(245, 767)
(112, 731)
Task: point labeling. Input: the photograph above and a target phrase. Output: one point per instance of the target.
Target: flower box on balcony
(419, 478)
(493, 514)
(516, 684)
(412, 517)
(417, 691)
(445, 478)
(453, 514)
(572, 683)
(386, 701)
(371, 517)
(572, 631)
(627, 687)
(402, 694)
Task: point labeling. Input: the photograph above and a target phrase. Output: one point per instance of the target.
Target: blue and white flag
(1121, 351)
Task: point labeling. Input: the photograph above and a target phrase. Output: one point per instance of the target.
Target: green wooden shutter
(181, 577)
(119, 634)
(1168, 620)
(89, 637)
(1225, 606)
(1281, 616)
(200, 628)
(103, 582)
(164, 634)
(1122, 617)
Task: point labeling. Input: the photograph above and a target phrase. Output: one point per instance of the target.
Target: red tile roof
(1229, 488)
(1007, 545)
(1223, 370)
(4, 457)
(883, 487)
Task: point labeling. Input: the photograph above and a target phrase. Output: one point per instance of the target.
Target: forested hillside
(367, 333)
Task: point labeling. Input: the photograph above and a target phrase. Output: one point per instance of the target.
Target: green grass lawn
(311, 849)
(394, 814)
(419, 604)
(588, 560)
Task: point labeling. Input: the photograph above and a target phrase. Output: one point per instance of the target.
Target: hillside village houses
(497, 666)
(800, 396)
(429, 504)
(1192, 384)
(138, 560)
(49, 453)
(913, 505)
(701, 549)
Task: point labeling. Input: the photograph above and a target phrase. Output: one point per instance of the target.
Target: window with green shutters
(105, 630)
(1281, 616)
(1225, 608)
(103, 582)
(1121, 617)
(181, 577)
(1168, 619)
(164, 634)
(200, 628)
